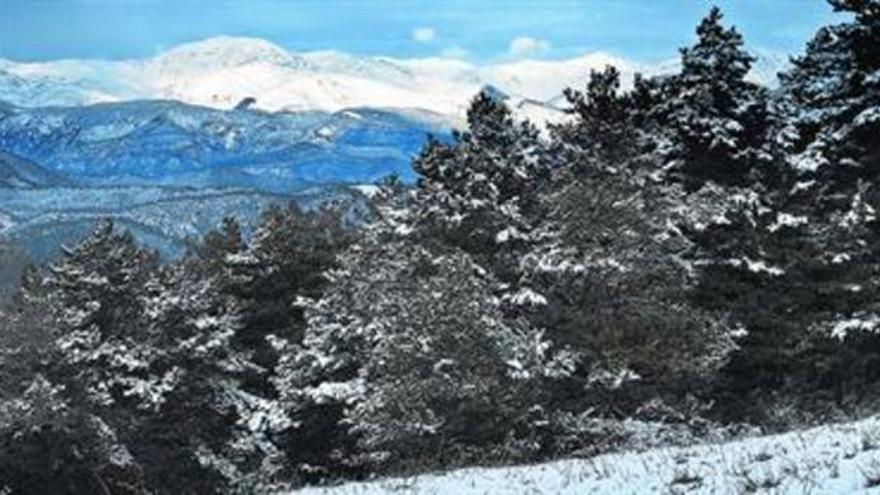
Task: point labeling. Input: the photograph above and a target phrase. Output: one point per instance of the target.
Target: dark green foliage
(486, 182)
(810, 317)
(695, 249)
(286, 260)
(715, 120)
(603, 133)
(833, 112)
(63, 455)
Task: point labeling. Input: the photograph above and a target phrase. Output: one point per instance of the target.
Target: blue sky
(481, 30)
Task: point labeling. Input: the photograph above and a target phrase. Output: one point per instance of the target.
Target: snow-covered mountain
(219, 72)
(19, 173)
(163, 142)
(240, 120)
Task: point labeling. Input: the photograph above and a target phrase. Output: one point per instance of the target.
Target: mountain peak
(227, 51)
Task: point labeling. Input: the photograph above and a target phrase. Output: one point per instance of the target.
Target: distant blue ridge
(169, 172)
(161, 142)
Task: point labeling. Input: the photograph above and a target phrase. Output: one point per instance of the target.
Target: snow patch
(830, 459)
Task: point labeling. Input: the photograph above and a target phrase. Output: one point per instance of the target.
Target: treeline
(673, 261)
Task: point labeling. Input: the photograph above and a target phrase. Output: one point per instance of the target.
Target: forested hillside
(686, 261)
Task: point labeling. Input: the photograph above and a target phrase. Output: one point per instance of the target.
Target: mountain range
(171, 144)
(163, 142)
(170, 171)
(220, 72)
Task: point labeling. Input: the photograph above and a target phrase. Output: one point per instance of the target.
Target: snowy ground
(833, 459)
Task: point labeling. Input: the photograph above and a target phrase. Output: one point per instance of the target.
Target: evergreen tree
(149, 351)
(602, 134)
(98, 283)
(412, 355)
(832, 95)
(64, 339)
(49, 444)
(612, 280)
(716, 120)
(478, 192)
(96, 296)
(284, 262)
(796, 265)
(218, 244)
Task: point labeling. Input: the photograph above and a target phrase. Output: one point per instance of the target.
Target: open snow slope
(220, 72)
(832, 459)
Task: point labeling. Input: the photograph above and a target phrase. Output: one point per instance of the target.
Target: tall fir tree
(715, 119)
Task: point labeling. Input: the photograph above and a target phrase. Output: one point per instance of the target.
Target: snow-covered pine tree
(220, 427)
(285, 261)
(601, 135)
(715, 119)
(148, 352)
(795, 264)
(480, 191)
(95, 293)
(54, 445)
(604, 274)
(613, 286)
(84, 312)
(832, 94)
(408, 355)
(97, 284)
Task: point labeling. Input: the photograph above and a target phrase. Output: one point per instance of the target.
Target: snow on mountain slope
(162, 142)
(18, 173)
(164, 218)
(544, 79)
(219, 72)
(832, 459)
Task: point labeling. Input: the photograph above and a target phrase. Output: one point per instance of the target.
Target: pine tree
(410, 353)
(285, 260)
(602, 134)
(832, 95)
(96, 296)
(71, 336)
(218, 244)
(148, 350)
(613, 280)
(717, 119)
(478, 192)
(97, 283)
(220, 427)
(53, 445)
(795, 265)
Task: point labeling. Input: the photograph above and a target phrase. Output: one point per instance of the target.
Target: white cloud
(424, 34)
(526, 46)
(455, 51)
